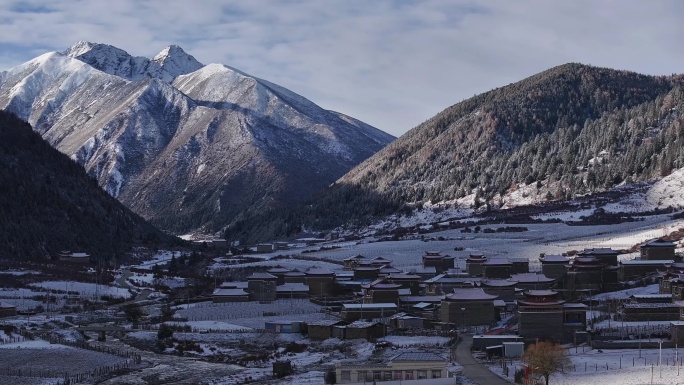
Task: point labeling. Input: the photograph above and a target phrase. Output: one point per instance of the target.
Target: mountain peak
(79, 48)
(176, 61)
(84, 48)
(167, 65)
(170, 51)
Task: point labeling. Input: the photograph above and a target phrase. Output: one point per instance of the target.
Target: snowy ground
(252, 315)
(85, 289)
(160, 258)
(38, 355)
(613, 367)
(626, 293)
(548, 238)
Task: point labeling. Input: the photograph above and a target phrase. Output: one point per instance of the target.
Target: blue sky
(390, 63)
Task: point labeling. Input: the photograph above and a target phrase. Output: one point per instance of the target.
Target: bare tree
(546, 358)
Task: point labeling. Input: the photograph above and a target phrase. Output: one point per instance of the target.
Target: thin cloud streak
(392, 64)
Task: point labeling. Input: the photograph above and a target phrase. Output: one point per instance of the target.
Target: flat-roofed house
(74, 257)
(230, 295)
(468, 307)
(320, 281)
(603, 254)
(7, 309)
(357, 311)
(360, 329)
(284, 326)
(474, 264)
(519, 265)
(322, 330)
(637, 268)
(292, 290)
(279, 272)
(294, 276)
(440, 262)
(262, 286)
(657, 249)
(540, 315)
(381, 291)
(554, 266)
(532, 281)
(497, 268)
(504, 289)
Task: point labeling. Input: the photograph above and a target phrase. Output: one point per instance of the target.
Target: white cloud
(390, 63)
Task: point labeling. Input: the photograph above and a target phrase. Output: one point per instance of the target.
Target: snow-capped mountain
(185, 145)
(167, 65)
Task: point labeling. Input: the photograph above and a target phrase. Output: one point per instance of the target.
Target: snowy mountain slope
(567, 132)
(186, 147)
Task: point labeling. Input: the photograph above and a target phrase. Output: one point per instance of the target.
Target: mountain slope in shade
(49, 204)
(568, 131)
(187, 148)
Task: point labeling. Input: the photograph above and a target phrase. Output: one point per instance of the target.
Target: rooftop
(498, 282)
(530, 278)
(361, 324)
(292, 287)
(467, 294)
(658, 262)
(418, 356)
(262, 275)
(327, 322)
(652, 296)
(554, 258)
(497, 261)
(230, 292)
(598, 251)
(541, 293)
(368, 306)
(659, 242)
(318, 271)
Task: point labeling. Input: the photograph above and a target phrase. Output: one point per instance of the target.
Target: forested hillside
(578, 128)
(49, 204)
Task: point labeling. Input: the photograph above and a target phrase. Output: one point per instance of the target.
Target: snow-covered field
(616, 367)
(84, 288)
(548, 238)
(38, 355)
(147, 279)
(252, 315)
(159, 258)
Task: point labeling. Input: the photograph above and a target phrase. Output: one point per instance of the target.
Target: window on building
(365, 376)
(397, 375)
(436, 374)
(409, 375)
(377, 375)
(387, 376)
(346, 375)
(422, 374)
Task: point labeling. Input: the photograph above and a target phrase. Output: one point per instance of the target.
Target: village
(320, 311)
